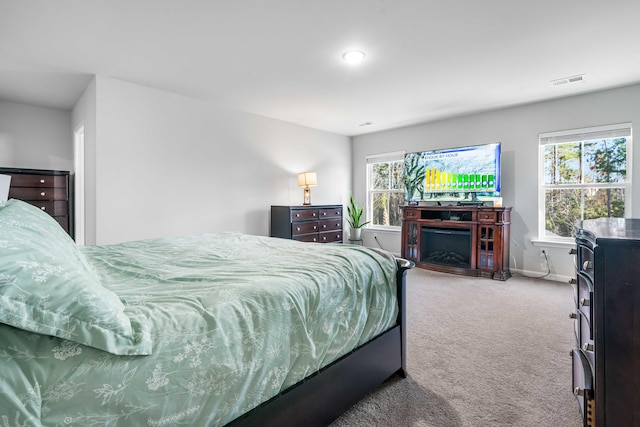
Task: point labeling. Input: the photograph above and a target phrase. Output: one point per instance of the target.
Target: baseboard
(539, 275)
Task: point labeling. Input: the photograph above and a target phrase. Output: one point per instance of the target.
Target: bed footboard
(321, 398)
(403, 266)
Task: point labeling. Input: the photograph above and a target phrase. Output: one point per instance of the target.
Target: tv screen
(454, 174)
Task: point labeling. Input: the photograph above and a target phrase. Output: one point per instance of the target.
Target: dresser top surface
(306, 206)
(612, 228)
(455, 208)
(33, 171)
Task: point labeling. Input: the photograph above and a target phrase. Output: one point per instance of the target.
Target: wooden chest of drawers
(321, 223)
(48, 190)
(606, 358)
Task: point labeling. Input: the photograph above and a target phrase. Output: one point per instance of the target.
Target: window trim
(380, 158)
(580, 135)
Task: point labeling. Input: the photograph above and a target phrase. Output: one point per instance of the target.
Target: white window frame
(580, 135)
(370, 160)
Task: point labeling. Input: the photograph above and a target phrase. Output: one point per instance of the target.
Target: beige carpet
(480, 353)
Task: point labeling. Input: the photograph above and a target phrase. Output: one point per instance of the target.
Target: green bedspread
(232, 319)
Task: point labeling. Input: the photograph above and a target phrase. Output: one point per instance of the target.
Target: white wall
(517, 128)
(26, 129)
(84, 114)
(169, 165)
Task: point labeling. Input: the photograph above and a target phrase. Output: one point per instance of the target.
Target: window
(385, 189)
(585, 174)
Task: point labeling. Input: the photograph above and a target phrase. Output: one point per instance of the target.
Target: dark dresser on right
(606, 360)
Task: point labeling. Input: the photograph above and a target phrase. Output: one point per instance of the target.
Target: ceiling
(426, 59)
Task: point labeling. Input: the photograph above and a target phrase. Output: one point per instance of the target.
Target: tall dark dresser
(48, 190)
(606, 360)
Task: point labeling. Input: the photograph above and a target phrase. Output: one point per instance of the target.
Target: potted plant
(354, 218)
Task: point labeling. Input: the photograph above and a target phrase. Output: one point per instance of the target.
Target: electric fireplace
(446, 246)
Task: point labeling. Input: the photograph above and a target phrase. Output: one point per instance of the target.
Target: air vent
(565, 80)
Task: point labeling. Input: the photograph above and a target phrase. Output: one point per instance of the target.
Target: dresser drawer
(410, 214)
(330, 224)
(53, 208)
(44, 181)
(303, 214)
(487, 216)
(329, 237)
(305, 227)
(586, 342)
(585, 260)
(314, 237)
(584, 296)
(584, 304)
(576, 326)
(330, 213)
(29, 193)
(582, 381)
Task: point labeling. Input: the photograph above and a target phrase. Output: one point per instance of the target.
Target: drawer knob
(578, 391)
(324, 238)
(573, 251)
(42, 194)
(324, 214)
(297, 215)
(315, 240)
(315, 227)
(587, 347)
(584, 302)
(313, 214)
(42, 181)
(297, 228)
(572, 316)
(586, 265)
(324, 226)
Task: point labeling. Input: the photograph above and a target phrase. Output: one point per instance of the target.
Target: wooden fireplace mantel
(474, 239)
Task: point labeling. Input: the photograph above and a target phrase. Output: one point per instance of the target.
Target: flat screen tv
(460, 174)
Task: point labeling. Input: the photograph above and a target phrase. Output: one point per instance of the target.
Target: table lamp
(306, 180)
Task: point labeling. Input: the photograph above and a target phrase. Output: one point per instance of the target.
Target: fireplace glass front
(446, 246)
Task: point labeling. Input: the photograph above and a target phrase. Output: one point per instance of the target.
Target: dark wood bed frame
(322, 397)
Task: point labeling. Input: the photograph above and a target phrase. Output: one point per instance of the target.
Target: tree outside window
(583, 178)
(385, 192)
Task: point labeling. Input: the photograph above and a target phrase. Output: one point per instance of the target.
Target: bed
(207, 330)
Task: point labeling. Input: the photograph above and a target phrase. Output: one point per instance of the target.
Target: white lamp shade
(307, 179)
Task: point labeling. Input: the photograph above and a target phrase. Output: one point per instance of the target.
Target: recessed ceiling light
(353, 56)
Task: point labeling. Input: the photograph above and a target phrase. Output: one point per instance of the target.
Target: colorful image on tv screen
(453, 174)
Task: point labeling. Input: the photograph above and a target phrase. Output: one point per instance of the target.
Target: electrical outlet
(542, 252)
